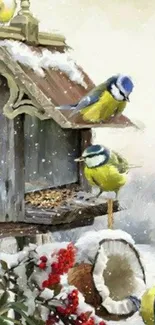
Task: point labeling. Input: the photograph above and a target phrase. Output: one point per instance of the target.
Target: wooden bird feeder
(39, 180)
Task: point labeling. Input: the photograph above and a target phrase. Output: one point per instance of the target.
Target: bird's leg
(110, 214)
(100, 192)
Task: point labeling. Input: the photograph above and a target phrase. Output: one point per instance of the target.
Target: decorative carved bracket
(20, 84)
(17, 104)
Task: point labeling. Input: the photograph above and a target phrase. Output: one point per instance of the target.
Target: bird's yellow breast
(147, 309)
(103, 108)
(105, 177)
(7, 12)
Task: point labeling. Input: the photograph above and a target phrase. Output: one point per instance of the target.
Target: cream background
(110, 36)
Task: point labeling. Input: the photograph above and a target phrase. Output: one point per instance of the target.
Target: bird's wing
(91, 98)
(119, 162)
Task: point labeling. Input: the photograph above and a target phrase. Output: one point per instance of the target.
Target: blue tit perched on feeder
(147, 308)
(7, 10)
(104, 101)
(105, 169)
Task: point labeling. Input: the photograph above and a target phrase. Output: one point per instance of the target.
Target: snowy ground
(148, 255)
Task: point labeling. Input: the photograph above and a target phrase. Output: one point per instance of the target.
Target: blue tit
(7, 10)
(104, 101)
(105, 169)
(147, 308)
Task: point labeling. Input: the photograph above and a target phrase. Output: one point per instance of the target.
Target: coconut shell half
(116, 274)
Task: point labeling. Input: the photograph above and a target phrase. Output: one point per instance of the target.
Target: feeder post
(12, 183)
(86, 140)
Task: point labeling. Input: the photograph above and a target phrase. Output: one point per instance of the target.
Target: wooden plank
(49, 154)
(11, 163)
(71, 214)
(86, 140)
(77, 121)
(46, 39)
(30, 229)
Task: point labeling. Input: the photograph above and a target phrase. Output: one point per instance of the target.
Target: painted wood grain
(11, 163)
(49, 154)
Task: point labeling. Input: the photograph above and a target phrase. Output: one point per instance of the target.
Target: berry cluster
(71, 305)
(85, 319)
(69, 311)
(65, 260)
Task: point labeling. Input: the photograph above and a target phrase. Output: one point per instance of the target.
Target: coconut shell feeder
(109, 270)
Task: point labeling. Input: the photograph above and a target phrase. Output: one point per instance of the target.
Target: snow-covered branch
(34, 288)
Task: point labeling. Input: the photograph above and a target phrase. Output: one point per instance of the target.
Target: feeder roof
(49, 79)
(38, 65)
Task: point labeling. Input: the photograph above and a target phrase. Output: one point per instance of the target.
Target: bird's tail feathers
(63, 107)
(139, 124)
(134, 166)
(69, 108)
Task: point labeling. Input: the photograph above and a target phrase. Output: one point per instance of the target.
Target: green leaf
(4, 309)
(4, 265)
(21, 312)
(5, 282)
(29, 269)
(56, 287)
(3, 319)
(18, 305)
(37, 320)
(1, 285)
(3, 299)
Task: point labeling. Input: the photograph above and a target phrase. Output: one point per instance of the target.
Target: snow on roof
(45, 59)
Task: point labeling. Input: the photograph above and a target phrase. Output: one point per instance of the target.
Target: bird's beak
(127, 99)
(79, 159)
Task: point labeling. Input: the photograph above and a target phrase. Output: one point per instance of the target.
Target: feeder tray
(50, 198)
(64, 206)
(115, 274)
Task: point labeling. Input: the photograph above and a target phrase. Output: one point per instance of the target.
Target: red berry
(61, 310)
(83, 317)
(45, 284)
(42, 265)
(68, 311)
(54, 279)
(43, 258)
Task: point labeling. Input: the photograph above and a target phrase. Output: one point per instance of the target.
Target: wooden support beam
(86, 140)
(39, 221)
(74, 214)
(11, 162)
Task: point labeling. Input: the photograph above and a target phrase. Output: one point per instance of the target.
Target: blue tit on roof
(104, 101)
(7, 10)
(105, 169)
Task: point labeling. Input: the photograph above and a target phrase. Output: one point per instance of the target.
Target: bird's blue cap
(125, 84)
(95, 150)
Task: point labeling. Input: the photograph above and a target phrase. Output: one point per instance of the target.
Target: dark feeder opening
(51, 174)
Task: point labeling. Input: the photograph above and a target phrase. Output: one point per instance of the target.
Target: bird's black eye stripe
(121, 93)
(119, 90)
(94, 155)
